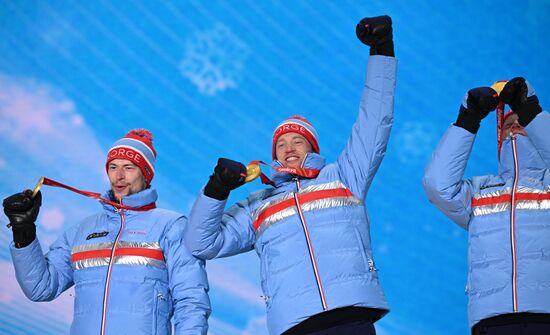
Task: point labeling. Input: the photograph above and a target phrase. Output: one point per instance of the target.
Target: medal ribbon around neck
(498, 86)
(253, 171)
(93, 195)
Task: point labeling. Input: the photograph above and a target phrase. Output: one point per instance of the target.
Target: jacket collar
(140, 199)
(529, 160)
(311, 161)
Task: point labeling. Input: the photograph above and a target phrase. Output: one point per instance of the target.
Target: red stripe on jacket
(143, 252)
(505, 198)
(303, 198)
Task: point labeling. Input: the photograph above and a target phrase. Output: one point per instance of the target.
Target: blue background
(213, 78)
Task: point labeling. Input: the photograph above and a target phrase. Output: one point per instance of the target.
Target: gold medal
(37, 187)
(499, 85)
(252, 172)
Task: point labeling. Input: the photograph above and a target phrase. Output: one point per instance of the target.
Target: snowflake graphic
(415, 142)
(214, 60)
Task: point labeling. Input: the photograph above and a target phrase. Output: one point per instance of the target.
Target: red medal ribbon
(302, 172)
(97, 196)
(500, 115)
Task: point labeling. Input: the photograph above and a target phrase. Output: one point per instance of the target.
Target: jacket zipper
(109, 270)
(513, 226)
(310, 248)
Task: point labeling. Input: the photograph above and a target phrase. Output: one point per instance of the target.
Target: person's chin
(120, 195)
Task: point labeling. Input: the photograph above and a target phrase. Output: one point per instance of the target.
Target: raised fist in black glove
(22, 211)
(376, 32)
(477, 104)
(228, 175)
(520, 96)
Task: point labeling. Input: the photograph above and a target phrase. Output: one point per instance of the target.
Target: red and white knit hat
(296, 124)
(137, 147)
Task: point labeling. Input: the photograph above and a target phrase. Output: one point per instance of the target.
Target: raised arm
(521, 97)
(42, 278)
(443, 178)
(366, 146)
(188, 283)
(211, 233)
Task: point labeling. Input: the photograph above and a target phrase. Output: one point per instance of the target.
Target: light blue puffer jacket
(316, 256)
(507, 218)
(153, 278)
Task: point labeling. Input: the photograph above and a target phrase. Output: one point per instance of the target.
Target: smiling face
(126, 178)
(291, 149)
(511, 125)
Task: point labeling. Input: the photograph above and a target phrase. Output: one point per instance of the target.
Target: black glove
(515, 94)
(22, 210)
(376, 32)
(480, 102)
(227, 176)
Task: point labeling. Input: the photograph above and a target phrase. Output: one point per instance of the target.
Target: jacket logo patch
(96, 235)
(494, 185)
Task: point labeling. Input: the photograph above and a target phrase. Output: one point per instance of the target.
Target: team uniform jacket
(152, 279)
(312, 235)
(507, 217)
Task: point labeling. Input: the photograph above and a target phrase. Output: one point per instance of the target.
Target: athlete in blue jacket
(311, 230)
(153, 277)
(507, 215)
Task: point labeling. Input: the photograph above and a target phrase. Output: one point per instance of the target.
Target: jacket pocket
(161, 312)
(368, 261)
(472, 286)
(264, 274)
